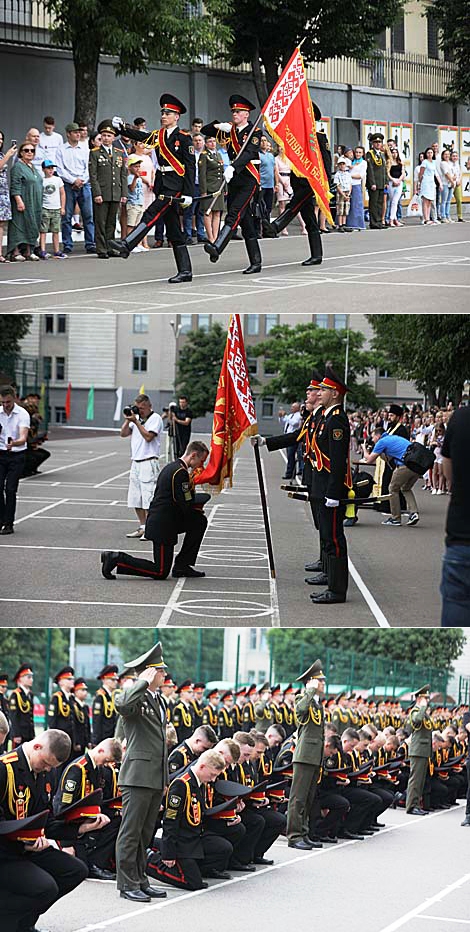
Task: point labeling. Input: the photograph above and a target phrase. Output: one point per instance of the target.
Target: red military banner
(289, 118)
(234, 411)
(68, 401)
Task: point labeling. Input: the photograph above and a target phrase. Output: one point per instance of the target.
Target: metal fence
(27, 22)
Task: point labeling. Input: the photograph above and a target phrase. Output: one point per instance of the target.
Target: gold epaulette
(96, 148)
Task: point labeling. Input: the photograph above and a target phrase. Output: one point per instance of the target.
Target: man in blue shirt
(403, 479)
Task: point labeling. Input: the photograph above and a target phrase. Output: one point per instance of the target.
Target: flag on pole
(234, 411)
(42, 400)
(68, 401)
(90, 410)
(289, 118)
(118, 409)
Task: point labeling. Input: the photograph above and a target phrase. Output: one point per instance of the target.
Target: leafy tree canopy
(429, 349)
(13, 327)
(455, 41)
(199, 367)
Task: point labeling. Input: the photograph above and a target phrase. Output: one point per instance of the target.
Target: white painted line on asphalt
(102, 604)
(465, 922)
(48, 472)
(171, 604)
(40, 511)
(429, 901)
(119, 476)
(369, 598)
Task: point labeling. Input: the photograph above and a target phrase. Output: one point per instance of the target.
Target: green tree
(265, 33)
(294, 351)
(13, 327)
(149, 31)
(429, 349)
(199, 365)
(454, 39)
(187, 653)
(28, 645)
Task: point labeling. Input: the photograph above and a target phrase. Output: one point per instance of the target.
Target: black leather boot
(215, 250)
(183, 264)
(122, 248)
(338, 576)
(272, 228)
(316, 251)
(254, 255)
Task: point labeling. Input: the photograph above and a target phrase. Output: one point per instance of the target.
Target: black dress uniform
(81, 722)
(21, 711)
(5, 708)
(183, 717)
(180, 757)
(108, 179)
(26, 890)
(243, 187)
(331, 479)
(249, 717)
(173, 510)
(104, 709)
(225, 726)
(60, 715)
(303, 202)
(176, 177)
(210, 716)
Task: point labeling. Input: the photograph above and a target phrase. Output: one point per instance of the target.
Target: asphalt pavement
(412, 876)
(76, 507)
(411, 268)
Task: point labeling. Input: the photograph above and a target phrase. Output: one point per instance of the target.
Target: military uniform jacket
(180, 757)
(5, 708)
(183, 721)
(303, 184)
(60, 713)
(21, 716)
(421, 732)
(23, 795)
(249, 717)
(175, 151)
(225, 727)
(288, 719)
(264, 716)
(182, 820)
(81, 725)
(104, 716)
(144, 718)
(310, 718)
(171, 505)
(108, 174)
(340, 719)
(210, 716)
(331, 476)
(245, 171)
(198, 710)
(376, 169)
(79, 778)
(237, 717)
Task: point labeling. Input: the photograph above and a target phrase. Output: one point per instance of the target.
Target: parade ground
(77, 506)
(412, 876)
(398, 270)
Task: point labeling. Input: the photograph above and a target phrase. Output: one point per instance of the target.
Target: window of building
(340, 321)
(61, 323)
(49, 323)
(381, 40)
(269, 366)
(139, 360)
(321, 320)
(384, 374)
(433, 38)
(262, 639)
(60, 368)
(253, 638)
(140, 323)
(270, 321)
(252, 325)
(203, 321)
(186, 323)
(60, 416)
(252, 363)
(47, 367)
(261, 676)
(398, 35)
(250, 675)
(267, 407)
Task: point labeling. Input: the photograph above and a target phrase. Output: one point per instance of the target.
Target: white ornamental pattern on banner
(238, 371)
(285, 93)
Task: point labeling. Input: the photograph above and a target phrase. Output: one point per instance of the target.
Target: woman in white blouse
(457, 173)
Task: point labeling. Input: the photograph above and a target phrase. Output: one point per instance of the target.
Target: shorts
(142, 481)
(50, 221)
(134, 214)
(342, 205)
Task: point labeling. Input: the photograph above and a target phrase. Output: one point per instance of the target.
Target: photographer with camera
(144, 426)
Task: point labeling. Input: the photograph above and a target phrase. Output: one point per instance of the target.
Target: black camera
(130, 409)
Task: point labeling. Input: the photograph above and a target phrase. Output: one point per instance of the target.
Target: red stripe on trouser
(242, 208)
(335, 539)
(161, 559)
(137, 569)
(307, 198)
(162, 211)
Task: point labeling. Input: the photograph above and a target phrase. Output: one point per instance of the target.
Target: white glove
(224, 127)
(331, 502)
(186, 200)
(117, 122)
(258, 441)
(229, 173)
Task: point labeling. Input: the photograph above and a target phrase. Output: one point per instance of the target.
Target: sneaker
(138, 533)
(77, 226)
(18, 258)
(139, 249)
(60, 255)
(441, 492)
(393, 522)
(434, 492)
(44, 255)
(33, 257)
(413, 519)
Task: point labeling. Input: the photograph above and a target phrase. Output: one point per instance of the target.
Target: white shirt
(361, 169)
(11, 424)
(72, 162)
(292, 421)
(143, 449)
(48, 146)
(51, 192)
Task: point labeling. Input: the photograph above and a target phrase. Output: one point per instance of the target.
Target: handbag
(418, 458)
(414, 208)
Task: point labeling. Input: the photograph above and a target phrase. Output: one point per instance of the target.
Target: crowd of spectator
(45, 188)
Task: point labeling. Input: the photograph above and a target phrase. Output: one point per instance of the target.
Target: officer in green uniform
(420, 750)
(143, 775)
(307, 757)
(263, 712)
(108, 180)
(376, 179)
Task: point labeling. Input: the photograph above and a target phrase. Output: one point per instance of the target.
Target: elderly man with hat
(72, 166)
(174, 185)
(108, 179)
(242, 177)
(104, 713)
(144, 773)
(420, 749)
(307, 757)
(376, 180)
(22, 706)
(303, 202)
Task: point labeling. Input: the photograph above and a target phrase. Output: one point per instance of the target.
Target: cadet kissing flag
(234, 411)
(289, 118)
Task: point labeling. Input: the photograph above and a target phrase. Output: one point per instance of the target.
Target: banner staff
(264, 506)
